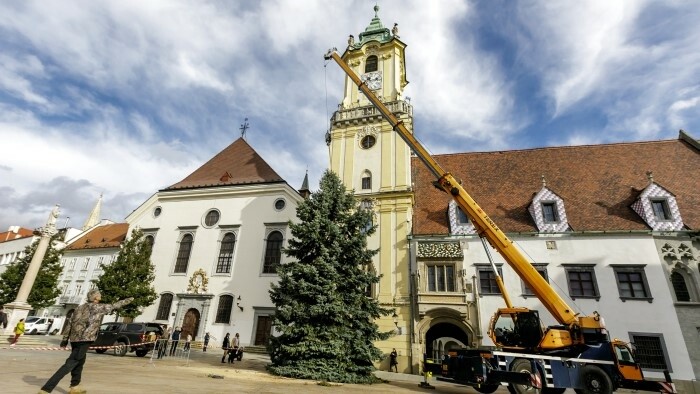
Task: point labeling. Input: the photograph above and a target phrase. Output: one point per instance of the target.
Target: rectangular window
(650, 351)
(632, 282)
(487, 280)
(542, 269)
(86, 263)
(661, 211)
(100, 262)
(549, 212)
(72, 263)
(441, 277)
(582, 282)
(366, 182)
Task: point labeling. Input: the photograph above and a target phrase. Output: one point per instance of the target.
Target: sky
(123, 98)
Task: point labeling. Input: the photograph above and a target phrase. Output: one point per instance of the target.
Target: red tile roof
(20, 233)
(237, 164)
(107, 236)
(598, 184)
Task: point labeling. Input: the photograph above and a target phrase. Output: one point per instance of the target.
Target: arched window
(366, 180)
(183, 254)
(166, 301)
(223, 266)
(273, 252)
(371, 64)
(680, 287)
(223, 312)
(149, 241)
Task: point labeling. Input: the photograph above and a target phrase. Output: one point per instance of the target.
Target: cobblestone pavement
(25, 371)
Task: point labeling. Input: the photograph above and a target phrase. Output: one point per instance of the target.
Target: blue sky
(127, 97)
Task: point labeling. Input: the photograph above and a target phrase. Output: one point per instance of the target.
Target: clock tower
(372, 159)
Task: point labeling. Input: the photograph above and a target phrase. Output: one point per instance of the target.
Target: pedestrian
(19, 331)
(188, 340)
(83, 328)
(163, 343)
(3, 317)
(225, 346)
(48, 330)
(206, 342)
(393, 362)
(175, 339)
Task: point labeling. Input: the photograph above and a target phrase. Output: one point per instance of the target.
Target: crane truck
(576, 353)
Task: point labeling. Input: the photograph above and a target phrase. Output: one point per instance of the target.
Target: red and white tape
(68, 347)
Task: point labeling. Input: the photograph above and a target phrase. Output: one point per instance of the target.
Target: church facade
(217, 237)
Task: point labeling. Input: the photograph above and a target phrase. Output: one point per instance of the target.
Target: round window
(280, 204)
(157, 211)
(368, 141)
(212, 217)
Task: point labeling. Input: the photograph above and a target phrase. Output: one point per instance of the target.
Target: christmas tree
(323, 313)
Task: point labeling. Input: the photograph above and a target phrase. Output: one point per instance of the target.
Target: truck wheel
(33, 332)
(522, 365)
(120, 349)
(54, 332)
(595, 381)
(487, 389)
(142, 352)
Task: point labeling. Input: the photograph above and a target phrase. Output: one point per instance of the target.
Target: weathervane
(244, 127)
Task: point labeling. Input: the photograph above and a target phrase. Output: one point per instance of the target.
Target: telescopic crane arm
(485, 227)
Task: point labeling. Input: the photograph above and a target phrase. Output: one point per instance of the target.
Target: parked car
(40, 325)
(127, 336)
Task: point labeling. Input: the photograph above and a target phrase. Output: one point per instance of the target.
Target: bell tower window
(366, 180)
(371, 64)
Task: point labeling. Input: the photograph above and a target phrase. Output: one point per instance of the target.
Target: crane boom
(486, 228)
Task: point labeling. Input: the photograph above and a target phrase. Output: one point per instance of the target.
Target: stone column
(19, 308)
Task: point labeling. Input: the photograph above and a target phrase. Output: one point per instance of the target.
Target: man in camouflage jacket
(84, 326)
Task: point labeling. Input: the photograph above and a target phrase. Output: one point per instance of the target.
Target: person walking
(225, 346)
(188, 340)
(83, 328)
(19, 331)
(175, 339)
(206, 342)
(393, 361)
(3, 318)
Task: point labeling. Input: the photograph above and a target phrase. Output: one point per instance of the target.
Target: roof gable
(597, 183)
(237, 164)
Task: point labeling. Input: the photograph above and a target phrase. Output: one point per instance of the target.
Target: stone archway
(443, 329)
(190, 323)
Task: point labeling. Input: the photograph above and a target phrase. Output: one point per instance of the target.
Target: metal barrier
(169, 349)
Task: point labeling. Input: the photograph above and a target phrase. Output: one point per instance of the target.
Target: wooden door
(190, 324)
(263, 330)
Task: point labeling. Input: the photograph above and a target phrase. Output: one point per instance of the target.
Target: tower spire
(94, 217)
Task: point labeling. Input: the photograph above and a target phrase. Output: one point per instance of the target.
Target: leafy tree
(45, 290)
(131, 275)
(324, 316)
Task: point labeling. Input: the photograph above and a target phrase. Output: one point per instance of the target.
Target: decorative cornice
(439, 250)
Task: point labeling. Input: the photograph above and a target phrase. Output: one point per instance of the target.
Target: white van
(40, 325)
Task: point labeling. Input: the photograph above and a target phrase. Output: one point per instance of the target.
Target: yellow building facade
(374, 161)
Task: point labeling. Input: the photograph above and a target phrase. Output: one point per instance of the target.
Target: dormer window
(549, 212)
(459, 221)
(660, 208)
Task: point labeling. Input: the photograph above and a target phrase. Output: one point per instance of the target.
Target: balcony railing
(70, 299)
(398, 108)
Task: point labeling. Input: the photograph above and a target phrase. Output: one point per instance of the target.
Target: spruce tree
(323, 313)
(130, 275)
(45, 289)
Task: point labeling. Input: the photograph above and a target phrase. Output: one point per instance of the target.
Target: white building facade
(217, 240)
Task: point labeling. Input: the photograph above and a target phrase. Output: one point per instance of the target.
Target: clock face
(373, 80)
